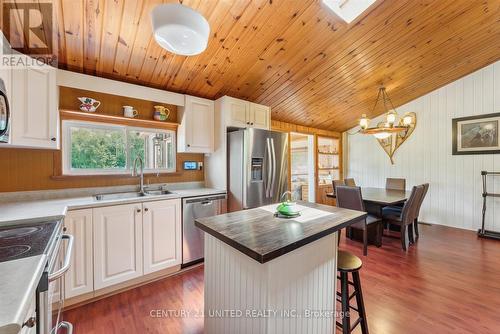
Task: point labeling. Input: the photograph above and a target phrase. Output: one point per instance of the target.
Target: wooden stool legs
(344, 292)
(345, 299)
(359, 301)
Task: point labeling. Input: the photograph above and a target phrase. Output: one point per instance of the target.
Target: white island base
(293, 293)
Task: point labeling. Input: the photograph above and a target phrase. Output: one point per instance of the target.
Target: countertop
(20, 277)
(19, 212)
(17, 290)
(263, 237)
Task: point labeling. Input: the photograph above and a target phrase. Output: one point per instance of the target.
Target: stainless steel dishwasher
(192, 237)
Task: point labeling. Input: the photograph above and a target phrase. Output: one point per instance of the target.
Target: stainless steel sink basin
(158, 192)
(112, 196)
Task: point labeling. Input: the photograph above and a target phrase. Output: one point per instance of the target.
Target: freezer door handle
(273, 178)
(269, 168)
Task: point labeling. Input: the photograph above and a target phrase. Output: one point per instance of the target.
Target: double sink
(125, 195)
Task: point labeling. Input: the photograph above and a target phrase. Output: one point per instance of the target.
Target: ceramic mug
(129, 111)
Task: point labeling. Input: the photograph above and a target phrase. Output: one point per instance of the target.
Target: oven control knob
(31, 322)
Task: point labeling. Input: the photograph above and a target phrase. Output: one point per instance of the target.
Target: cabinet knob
(53, 139)
(251, 123)
(248, 123)
(138, 210)
(188, 145)
(31, 322)
(146, 209)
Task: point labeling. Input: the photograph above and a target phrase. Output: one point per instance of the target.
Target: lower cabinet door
(162, 234)
(79, 279)
(117, 244)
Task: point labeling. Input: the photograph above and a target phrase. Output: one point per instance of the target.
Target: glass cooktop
(20, 241)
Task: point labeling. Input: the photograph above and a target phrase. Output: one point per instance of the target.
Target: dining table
(375, 199)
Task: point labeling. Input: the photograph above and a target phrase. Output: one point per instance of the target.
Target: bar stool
(350, 263)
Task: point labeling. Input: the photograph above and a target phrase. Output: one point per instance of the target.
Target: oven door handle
(67, 325)
(67, 258)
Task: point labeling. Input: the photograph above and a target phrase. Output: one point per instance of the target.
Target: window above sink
(95, 148)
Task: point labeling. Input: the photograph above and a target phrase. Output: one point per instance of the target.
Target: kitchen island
(265, 274)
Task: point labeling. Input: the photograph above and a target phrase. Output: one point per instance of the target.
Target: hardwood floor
(449, 282)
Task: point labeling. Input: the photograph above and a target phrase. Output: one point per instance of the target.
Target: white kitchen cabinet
(79, 279)
(117, 244)
(34, 107)
(244, 114)
(161, 234)
(259, 116)
(237, 112)
(196, 130)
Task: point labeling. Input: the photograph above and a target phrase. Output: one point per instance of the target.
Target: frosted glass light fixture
(180, 29)
(382, 135)
(348, 10)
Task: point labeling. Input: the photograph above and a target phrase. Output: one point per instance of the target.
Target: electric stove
(20, 241)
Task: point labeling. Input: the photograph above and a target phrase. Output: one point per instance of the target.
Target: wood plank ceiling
(294, 55)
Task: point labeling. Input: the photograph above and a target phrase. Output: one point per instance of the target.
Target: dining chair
(351, 198)
(337, 183)
(415, 223)
(408, 215)
(395, 183)
(350, 182)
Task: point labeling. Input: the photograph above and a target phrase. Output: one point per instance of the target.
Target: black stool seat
(348, 262)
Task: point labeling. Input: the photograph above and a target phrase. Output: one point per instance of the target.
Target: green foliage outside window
(98, 149)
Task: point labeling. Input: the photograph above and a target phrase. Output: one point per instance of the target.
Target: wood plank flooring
(449, 282)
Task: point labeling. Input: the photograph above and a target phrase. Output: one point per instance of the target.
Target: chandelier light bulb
(407, 120)
(391, 117)
(363, 122)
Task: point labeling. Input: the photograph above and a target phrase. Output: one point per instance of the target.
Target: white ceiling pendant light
(180, 29)
(348, 10)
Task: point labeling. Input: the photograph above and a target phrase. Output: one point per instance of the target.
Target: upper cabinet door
(162, 234)
(34, 107)
(260, 116)
(80, 277)
(237, 112)
(117, 244)
(196, 131)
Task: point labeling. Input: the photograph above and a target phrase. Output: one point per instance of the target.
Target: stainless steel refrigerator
(257, 168)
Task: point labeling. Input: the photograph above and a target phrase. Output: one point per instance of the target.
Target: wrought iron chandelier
(393, 123)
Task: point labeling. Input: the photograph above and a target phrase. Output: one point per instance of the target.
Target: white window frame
(174, 145)
(66, 149)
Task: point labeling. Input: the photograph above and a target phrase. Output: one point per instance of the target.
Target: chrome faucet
(134, 172)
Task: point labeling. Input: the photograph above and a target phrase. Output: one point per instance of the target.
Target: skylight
(348, 10)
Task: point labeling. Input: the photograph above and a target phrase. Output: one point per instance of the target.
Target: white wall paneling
(454, 197)
(302, 280)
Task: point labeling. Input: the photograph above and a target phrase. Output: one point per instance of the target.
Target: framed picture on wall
(476, 134)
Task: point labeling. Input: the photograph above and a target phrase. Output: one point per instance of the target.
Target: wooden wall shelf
(114, 119)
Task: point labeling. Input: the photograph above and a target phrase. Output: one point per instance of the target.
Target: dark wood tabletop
(263, 237)
(382, 196)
